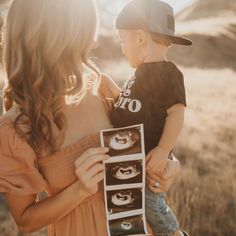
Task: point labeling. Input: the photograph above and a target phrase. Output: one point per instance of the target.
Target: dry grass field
(204, 194)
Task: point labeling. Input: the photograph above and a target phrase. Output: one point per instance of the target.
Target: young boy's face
(130, 47)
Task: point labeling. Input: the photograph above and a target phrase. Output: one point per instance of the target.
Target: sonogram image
(124, 200)
(123, 142)
(127, 226)
(125, 172)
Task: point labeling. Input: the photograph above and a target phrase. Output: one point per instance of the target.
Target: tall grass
(204, 195)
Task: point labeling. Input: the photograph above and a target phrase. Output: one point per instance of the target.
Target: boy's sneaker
(184, 233)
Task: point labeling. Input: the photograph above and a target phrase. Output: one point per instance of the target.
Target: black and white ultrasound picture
(127, 226)
(124, 200)
(125, 172)
(123, 142)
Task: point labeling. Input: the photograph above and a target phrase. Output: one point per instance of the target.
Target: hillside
(210, 25)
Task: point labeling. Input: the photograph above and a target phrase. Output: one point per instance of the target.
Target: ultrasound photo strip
(123, 141)
(124, 182)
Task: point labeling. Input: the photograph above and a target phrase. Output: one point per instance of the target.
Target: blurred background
(204, 195)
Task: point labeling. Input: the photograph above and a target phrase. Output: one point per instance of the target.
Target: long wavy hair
(46, 44)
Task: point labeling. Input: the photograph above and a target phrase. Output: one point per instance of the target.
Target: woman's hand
(90, 169)
(165, 179)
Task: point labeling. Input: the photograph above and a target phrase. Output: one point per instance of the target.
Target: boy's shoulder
(158, 72)
(173, 69)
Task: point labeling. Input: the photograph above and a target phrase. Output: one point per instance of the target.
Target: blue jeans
(159, 215)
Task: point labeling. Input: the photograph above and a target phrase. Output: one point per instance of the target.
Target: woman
(49, 139)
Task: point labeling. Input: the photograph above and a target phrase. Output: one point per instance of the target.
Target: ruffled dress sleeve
(18, 163)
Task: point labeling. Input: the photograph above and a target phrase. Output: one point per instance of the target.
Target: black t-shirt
(146, 97)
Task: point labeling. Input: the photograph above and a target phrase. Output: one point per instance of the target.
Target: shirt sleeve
(18, 164)
(173, 91)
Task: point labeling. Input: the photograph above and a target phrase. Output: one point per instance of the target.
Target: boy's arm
(173, 126)
(158, 157)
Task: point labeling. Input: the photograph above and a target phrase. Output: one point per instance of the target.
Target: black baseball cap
(153, 16)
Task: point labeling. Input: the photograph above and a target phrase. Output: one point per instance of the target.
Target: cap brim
(174, 39)
(179, 40)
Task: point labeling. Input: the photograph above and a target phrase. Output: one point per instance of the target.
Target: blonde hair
(46, 45)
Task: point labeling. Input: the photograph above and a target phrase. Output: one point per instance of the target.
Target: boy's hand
(157, 160)
(166, 179)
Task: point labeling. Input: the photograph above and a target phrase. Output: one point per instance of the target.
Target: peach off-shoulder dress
(21, 172)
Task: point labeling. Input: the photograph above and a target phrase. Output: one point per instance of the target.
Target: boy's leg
(160, 216)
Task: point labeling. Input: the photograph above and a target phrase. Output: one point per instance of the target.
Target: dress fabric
(21, 172)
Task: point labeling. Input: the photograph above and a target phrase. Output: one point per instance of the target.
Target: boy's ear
(141, 37)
